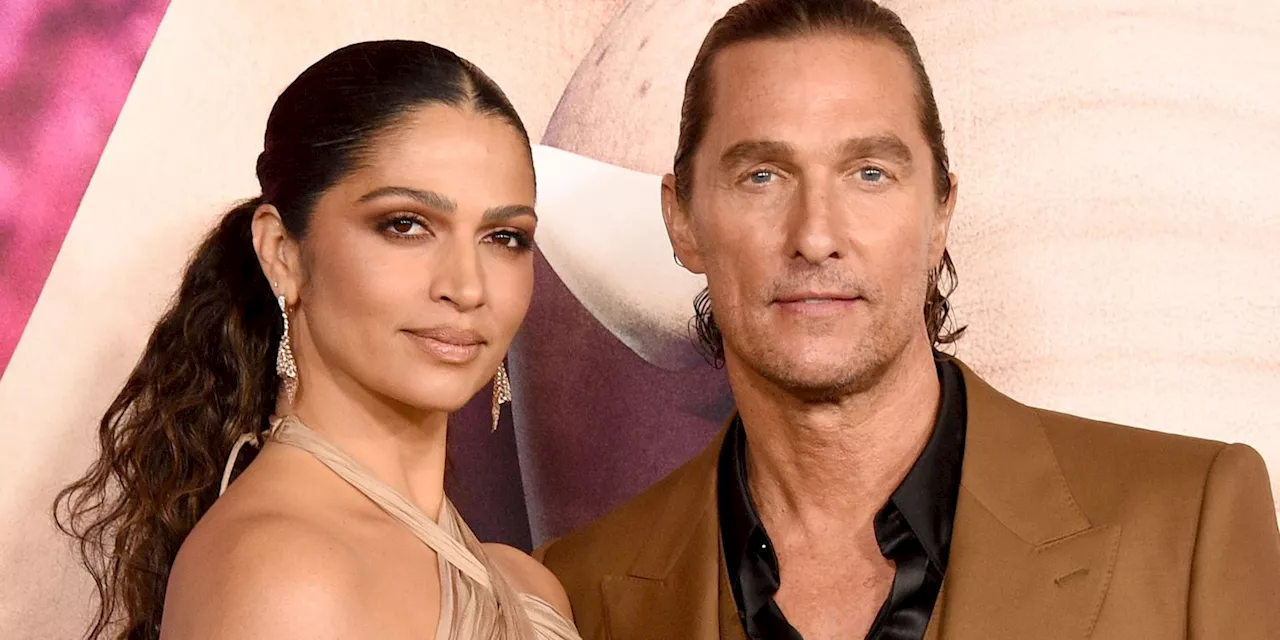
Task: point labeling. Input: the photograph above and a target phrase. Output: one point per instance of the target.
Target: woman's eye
(513, 240)
(405, 227)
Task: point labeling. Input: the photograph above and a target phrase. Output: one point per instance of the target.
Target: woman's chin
(437, 398)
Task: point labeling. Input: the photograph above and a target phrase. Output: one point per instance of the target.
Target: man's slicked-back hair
(756, 20)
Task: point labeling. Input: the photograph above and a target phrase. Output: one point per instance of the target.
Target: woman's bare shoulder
(246, 573)
(529, 576)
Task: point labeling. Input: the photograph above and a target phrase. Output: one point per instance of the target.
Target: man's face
(813, 211)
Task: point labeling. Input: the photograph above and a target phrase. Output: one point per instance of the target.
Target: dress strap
(245, 438)
(292, 432)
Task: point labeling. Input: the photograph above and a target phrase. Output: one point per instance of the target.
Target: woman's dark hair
(207, 374)
(756, 20)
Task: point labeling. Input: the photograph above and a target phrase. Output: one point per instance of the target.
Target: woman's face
(417, 268)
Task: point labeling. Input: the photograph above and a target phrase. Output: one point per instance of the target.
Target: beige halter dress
(476, 602)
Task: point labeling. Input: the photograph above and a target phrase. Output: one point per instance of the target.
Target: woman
(373, 288)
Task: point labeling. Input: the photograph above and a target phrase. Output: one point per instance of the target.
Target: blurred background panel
(1114, 234)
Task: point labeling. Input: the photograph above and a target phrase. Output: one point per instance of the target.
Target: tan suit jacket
(1065, 528)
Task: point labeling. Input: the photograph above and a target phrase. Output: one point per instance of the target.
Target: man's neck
(816, 466)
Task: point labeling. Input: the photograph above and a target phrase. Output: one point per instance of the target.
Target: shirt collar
(926, 498)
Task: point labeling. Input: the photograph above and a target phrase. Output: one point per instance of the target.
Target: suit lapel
(673, 588)
(730, 625)
(931, 631)
(1025, 561)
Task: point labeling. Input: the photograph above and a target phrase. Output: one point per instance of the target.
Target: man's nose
(813, 225)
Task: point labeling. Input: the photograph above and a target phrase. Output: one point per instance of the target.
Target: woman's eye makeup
(404, 226)
(512, 239)
(407, 226)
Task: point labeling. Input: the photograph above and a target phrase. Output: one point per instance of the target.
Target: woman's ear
(278, 253)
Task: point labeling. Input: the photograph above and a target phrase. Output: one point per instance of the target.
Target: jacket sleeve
(1235, 572)
(540, 554)
(581, 587)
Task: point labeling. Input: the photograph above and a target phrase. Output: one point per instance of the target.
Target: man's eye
(762, 176)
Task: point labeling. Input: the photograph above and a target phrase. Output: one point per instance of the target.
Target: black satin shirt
(913, 529)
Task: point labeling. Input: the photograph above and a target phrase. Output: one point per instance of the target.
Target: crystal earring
(285, 365)
(501, 393)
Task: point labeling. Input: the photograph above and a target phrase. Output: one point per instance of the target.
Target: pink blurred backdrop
(65, 69)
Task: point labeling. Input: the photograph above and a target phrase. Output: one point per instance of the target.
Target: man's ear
(679, 227)
(942, 223)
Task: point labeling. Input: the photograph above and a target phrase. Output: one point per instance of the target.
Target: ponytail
(205, 377)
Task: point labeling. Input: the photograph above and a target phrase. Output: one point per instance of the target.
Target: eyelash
(388, 225)
(746, 178)
(523, 241)
(878, 170)
(500, 238)
(885, 176)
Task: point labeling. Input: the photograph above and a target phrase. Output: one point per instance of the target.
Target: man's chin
(825, 381)
(817, 367)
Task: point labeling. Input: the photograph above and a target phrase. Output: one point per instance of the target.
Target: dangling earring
(285, 366)
(501, 393)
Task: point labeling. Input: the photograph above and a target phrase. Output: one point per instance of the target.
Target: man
(866, 485)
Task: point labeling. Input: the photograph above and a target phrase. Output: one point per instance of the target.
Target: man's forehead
(811, 66)
(765, 89)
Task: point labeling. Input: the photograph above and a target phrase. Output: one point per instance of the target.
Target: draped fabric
(476, 602)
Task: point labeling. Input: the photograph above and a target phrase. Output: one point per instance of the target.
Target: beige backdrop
(1113, 236)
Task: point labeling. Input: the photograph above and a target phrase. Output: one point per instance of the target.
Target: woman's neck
(401, 446)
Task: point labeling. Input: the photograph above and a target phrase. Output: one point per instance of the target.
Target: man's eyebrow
(428, 198)
(749, 151)
(887, 146)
